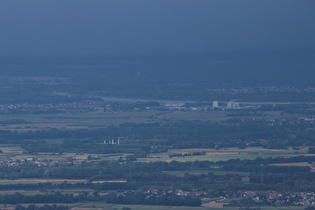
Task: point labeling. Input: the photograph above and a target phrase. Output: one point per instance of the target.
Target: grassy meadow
(225, 154)
(77, 119)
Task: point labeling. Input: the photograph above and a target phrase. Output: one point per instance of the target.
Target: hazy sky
(82, 27)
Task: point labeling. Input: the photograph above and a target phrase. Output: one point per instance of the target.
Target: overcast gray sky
(83, 27)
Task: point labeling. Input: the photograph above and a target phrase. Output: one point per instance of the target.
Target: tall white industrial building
(233, 105)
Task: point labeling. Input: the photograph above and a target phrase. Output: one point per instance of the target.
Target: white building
(233, 105)
(215, 104)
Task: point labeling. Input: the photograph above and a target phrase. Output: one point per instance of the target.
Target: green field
(101, 119)
(78, 119)
(16, 152)
(225, 154)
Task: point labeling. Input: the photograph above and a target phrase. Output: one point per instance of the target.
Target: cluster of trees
(129, 198)
(45, 207)
(146, 138)
(187, 154)
(245, 204)
(57, 197)
(311, 150)
(139, 174)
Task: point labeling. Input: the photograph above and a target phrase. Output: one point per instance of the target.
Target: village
(280, 198)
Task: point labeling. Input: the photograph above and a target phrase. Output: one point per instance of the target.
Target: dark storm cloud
(153, 26)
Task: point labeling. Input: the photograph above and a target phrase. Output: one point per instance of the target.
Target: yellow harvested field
(295, 164)
(222, 153)
(291, 164)
(214, 204)
(35, 181)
